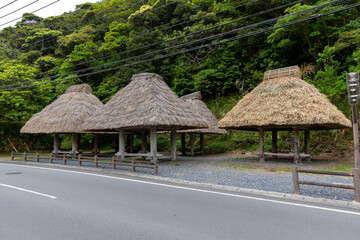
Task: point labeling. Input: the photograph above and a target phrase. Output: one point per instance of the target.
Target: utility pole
(352, 82)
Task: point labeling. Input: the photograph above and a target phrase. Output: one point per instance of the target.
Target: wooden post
(295, 177)
(202, 149)
(113, 162)
(296, 146)
(133, 165)
(24, 156)
(64, 159)
(274, 142)
(122, 144)
(356, 178)
(156, 168)
(96, 144)
(183, 144)
(307, 144)
(12, 156)
(56, 143)
(96, 161)
(51, 158)
(153, 144)
(37, 157)
(261, 146)
(173, 144)
(75, 143)
(79, 160)
(191, 144)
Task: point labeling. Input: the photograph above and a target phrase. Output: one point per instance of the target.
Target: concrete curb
(295, 197)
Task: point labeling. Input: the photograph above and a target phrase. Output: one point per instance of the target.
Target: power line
(176, 46)
(19, 9)
(8, 4)
(193, 49)
(51, 38)
(97, 30)
(171, 40)
(31, 12)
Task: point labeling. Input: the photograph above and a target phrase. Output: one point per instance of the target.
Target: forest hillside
(218, 47)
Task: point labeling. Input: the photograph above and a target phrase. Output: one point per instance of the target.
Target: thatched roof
(194, 102)
(284, 103)
(145, 102)
(66, 114)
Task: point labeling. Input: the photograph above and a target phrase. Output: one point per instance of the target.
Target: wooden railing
(355, 174)
(114, 161)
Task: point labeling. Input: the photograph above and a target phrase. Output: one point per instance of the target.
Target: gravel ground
(217, 170)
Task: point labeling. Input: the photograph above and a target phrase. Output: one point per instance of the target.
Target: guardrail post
(113, 162)
(79, 159)
(12, 156)
(37, 157)
(96, 161)
(64, 159)
(156, 167)
(295, 177)
(356, 177)
(133, 165)
(24, 156)
(51, 158)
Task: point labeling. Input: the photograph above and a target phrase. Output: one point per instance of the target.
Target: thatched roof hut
(283, 101)
(66, 114)
(145, 102)
(193, 100)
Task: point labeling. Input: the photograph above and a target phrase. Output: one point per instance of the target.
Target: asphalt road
(52, 203)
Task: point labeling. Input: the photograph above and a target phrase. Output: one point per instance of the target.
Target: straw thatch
(284, 103)
(66, 114)
(145, 102)
(194, 102)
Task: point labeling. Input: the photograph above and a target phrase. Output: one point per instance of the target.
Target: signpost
(352, 82)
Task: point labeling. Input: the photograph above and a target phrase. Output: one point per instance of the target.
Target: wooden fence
(355, 174)
(114, 161)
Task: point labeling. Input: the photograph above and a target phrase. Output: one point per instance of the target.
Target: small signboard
(289, 141)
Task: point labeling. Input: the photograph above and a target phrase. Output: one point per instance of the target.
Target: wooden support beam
(296, 146)
(56, 143)
(202, 149)
(121, 152)
(183, 144)
(261, 146)
(153, 144)
(173, 144)
(307, 144)
(96, 144)
(191, 144)
(75, 143)
(274, 142)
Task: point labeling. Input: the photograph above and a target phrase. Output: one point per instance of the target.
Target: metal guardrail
(355, 174)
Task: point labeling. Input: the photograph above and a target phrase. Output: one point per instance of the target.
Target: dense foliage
(104, 43)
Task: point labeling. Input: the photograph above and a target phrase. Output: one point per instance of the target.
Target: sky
(19, 7)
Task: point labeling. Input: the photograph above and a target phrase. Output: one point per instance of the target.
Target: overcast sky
(59, 7)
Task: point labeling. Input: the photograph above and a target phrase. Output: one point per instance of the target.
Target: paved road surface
(52, 203)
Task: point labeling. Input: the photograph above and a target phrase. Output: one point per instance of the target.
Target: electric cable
(196, 48)
(176, 46)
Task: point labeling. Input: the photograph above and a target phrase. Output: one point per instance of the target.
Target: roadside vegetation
(82, 46)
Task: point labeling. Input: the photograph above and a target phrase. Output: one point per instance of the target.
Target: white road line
(194, 189)
(26, 190)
